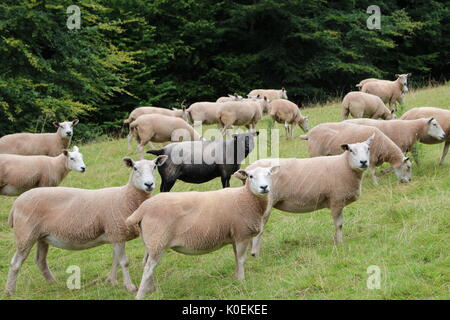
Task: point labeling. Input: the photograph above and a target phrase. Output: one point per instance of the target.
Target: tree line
(161, 52)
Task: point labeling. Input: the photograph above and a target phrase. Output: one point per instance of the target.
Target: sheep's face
(284, 94)
(404, 171)
(403, 78)
(65, 129)
(359, 154)
(75, 160)
(435, 129)
(259, 180)
(142, 174)
(303, 123)
(265, 104)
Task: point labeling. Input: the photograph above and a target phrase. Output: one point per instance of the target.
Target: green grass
(402, 228)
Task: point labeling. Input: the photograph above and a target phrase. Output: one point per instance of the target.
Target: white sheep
(306, 185)
(270, 94)
(442, 116)
(201, 222)
(200, 113)
(230, 97)
(288, 113)
(363, 82)
(365, 105)
(326, 139)
(78, 219)
(390, 92)
(241, 113)
(159, 128)
(21, 173)
(405, 133)
(46, 144)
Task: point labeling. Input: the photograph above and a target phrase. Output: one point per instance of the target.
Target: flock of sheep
(33, 165)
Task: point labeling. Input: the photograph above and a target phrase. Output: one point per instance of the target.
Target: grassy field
(401, 228)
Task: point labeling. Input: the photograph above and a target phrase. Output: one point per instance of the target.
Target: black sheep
(202, 161)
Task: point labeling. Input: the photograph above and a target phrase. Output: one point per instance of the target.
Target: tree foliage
(160, 52)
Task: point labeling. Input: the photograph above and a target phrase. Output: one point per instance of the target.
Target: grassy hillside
(402, 228)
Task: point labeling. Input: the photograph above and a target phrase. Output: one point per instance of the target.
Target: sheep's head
(75, 160)
(65, 129)
(259, 179)
(284, 94)
(142, 175)
(303, 123)
(404, 170)
(403, 78)
(245, 143)
(435, 129)
(359, 154)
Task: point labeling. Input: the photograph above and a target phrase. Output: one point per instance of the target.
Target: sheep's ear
(56, 124)
(75, 122)
(65, 152)
(283, 89)
(409, 75)
(241, 174)
(128, 162)
(159, 161)
(369, 141)
(274, 169)
(397, 75)
(405, 159)
(431, 119)
(265, 98)
(345, 147)
(75, 149)
(392, 111)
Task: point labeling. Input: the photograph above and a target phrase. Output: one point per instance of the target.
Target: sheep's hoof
(10, 293)
(112, 281)
(255, 254)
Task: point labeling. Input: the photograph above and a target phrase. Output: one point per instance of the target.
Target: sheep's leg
(286, 129)
(129, 138)
(123, 261)
(256, 241)
(14, 267)
(147, 284)
(145, 258)
(168, 185)
(112, 278)
(225, 181)
(41, 260)
(444, 152)
(141, 151)
(338, 220)
(239, 252)
(373, 171)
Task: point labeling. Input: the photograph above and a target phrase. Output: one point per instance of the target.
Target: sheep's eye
(73, 159)
(135, 169)
(251, 177)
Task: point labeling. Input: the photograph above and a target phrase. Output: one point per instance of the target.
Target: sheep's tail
(345, 110)
(11, 218)
(135, 218)
(156, 152)
(304, 137)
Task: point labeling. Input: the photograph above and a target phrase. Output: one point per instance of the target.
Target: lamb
(230, 97)
(78, 219)
(196, 223)
(326, 139)
(202, 161)
(405, 133)
(46, 144)
(389, 91)
(160, 128)
(442, 116)
(239, 113)
(306, 185)
(365, 105)
(21, 173)
(136, 113)
(270, 94)
(200, 113)
(287, 112)
(363, 82)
